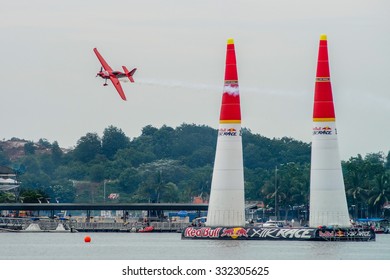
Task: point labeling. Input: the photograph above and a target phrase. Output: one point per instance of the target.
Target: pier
(88, 207)
(46, 224)
(88, 224)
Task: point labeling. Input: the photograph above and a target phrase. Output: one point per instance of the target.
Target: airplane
(108, 73)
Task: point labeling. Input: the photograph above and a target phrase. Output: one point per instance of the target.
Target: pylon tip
(230, 41)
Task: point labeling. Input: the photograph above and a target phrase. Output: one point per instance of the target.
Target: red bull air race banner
(260, 233)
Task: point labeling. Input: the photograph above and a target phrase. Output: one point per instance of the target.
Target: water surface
(169, 246)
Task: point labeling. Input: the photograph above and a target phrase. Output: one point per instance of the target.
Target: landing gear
(105, 83)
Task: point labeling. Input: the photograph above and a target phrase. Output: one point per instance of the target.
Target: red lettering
(202, 232)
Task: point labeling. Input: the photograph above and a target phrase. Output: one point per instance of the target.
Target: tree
(191, 140)
(114, 139)
(96, 173)
(33, 196)
(4, 160)
(88, 147)
(44, 143)
(197, 182)
(375, 158)
(149, 130)
(73, 170)
(46, 164)
(62, 191)
(164, 139)
(254, 179)
(387, 165)
(31, 165)
(171, 193)
(294, 186)
(29, 148)
(132, 157)
(201, 157)
(7, 197)
(56, 153)
(129, 180)
(287, 185)
(379, 193)
(156, 175)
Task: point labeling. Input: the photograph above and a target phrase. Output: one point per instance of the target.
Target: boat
(379, 225)
(146, 229)
(274, 224)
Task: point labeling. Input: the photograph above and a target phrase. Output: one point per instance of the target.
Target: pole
(276, 193)
(104, 191)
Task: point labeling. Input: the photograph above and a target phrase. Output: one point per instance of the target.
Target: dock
(46, 224)
(130, 227)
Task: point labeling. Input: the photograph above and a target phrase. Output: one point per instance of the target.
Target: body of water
(170, 246)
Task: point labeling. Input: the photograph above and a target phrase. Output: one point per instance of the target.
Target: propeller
(101, 69)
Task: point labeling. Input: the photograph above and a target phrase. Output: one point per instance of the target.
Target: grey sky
(49, 90)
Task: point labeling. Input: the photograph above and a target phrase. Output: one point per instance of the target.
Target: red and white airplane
(108, 73)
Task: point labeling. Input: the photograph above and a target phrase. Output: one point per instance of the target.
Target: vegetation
(175, 164)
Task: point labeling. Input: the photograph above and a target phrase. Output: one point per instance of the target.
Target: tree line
(175, 165)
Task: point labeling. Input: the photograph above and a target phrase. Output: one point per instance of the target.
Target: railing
(23, 223)
(169, 226)
(51, 224)
(84, 226)
(129, 227)
(12, 223)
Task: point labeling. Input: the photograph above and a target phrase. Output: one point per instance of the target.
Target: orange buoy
(87, 239)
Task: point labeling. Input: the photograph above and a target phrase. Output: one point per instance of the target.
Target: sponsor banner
(250, 233)
(284, 233)
(260, 233)
(353, 233)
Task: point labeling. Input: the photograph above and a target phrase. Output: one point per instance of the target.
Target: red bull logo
(234, 232)
(318, 130)
(229, 132)
(202, 232)
(326, 233)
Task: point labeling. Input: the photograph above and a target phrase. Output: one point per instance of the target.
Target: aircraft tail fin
(129, 74)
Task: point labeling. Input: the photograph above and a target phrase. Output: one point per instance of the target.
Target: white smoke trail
(231, 90)
(124, 80)
(178, 84)
(218, 89)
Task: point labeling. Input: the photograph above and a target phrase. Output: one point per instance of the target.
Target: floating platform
(292, 234)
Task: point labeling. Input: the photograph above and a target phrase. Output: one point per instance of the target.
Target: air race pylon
(226, 205)
(328, 203)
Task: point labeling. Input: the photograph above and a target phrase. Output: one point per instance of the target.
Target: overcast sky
(49, 90)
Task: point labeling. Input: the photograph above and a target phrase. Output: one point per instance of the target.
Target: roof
(8, 181)
(371, 220)
(4, 170)
(8, 187)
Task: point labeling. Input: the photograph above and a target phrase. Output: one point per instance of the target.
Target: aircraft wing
(102, 61)
(118, 87)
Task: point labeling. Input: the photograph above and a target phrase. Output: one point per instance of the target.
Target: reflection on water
(169, 246)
